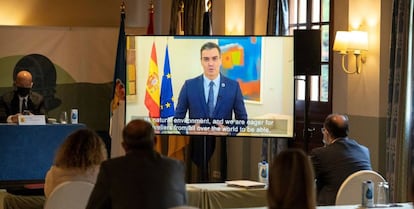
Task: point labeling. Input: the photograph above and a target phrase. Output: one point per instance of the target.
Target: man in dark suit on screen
(21, 100)
(210, 99)
(339, 158)
(142, 178)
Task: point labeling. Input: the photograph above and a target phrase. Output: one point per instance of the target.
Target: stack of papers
(245, 184)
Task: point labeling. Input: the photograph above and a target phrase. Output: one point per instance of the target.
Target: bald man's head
(138, 134)
(337, 125)
(23, 82)
(24, 79)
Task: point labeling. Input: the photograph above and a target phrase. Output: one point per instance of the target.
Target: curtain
(277, 24)
(175, 8)
(177, 14)
(278, 18)
(399, 128)
(207, 27)
(191, 21)
(193, 16)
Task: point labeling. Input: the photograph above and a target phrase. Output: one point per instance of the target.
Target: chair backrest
(69, 195)
(350, 191)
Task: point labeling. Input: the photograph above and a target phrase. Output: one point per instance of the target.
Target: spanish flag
(152, 93)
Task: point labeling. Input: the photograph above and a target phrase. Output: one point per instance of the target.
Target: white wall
(364, 96)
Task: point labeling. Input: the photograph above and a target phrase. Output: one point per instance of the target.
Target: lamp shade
(358, 40)
(341, 41)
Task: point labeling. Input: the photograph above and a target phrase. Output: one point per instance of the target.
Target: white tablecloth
(396, 206)
(218, 195)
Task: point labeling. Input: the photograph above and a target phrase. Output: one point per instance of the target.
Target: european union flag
(167, 102)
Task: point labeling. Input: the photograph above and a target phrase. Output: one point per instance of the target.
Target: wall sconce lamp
(355, 42)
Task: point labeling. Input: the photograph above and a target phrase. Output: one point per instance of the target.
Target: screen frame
(141, 72)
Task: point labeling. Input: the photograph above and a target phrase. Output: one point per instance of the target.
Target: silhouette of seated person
(291, 181)
(21, 100)
(77, 159)
(142, 178)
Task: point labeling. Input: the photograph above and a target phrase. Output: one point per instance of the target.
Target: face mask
(23, 91)
(324, 141)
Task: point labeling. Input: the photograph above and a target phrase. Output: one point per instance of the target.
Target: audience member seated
(77, 159)
(291, 181)
(21, 100)
(339, 158)
(142, 178)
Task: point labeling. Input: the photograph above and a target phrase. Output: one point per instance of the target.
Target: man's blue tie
(210, 101)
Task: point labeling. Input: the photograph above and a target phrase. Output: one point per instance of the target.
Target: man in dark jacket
(140, 179)
(339, 158)
(21, 100)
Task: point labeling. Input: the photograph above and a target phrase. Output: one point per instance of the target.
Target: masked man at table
(142, 178)
(339, 158)
(21, 100)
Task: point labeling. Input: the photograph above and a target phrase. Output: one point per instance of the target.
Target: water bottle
(74, 116)
(263, 171)
(367, 194)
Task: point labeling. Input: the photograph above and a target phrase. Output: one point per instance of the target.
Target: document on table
(245, 184)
